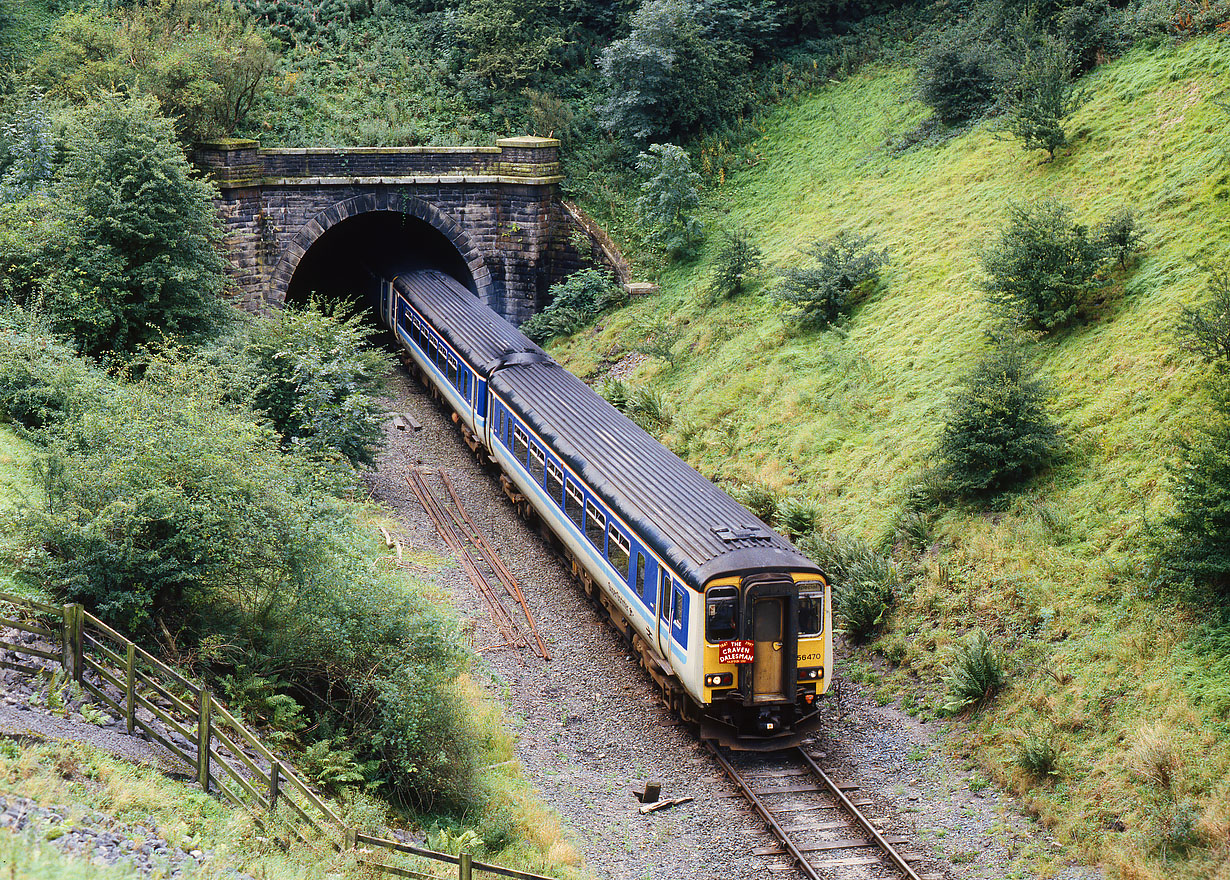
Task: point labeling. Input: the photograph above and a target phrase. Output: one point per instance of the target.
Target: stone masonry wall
(498, 205)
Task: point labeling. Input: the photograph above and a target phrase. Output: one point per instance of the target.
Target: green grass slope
(1119, 676)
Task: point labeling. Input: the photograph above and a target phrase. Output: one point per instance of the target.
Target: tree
(142, 260)
(671, 74)
(999, 431)
(822, 293)
(671, 196)
(1042, 98)
(1044, 267)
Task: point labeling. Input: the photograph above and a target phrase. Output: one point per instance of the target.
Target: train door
(664, 612)
(768, 626)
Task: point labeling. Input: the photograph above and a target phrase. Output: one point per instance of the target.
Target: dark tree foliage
(1041, 98)
(824, 291)
(1045, 266)
(957, 79)
(738, 262)
(1093, 31)
(682, 66)
(670, 200)
(42, 381)
(142, 260)
(999, 430)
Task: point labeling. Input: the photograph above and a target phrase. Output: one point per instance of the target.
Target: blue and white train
(729, 618)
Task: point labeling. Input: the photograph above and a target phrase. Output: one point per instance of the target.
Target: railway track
(819, 822)
(481, 563)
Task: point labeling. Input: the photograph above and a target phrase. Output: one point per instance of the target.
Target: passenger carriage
(727, 616)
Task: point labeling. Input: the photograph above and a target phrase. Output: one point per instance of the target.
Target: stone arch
(399, 203)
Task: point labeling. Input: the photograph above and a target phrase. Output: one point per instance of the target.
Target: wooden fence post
(130, 690)
(275, 784)
(463, 866)
(203, 731)
(74, 616)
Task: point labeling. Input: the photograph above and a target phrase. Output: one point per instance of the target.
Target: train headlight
(811, 673)
(720, 679)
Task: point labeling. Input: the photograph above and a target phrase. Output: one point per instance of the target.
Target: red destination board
(737, 651)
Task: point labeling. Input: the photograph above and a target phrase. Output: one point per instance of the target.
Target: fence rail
(222, 753)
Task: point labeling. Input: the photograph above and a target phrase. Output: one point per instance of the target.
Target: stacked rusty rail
(197, 730)
(459, 531)
(826, 835)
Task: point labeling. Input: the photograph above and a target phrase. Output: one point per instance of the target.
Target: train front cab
(770, 702)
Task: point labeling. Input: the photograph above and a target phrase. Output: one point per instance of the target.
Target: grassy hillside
(1116, 672)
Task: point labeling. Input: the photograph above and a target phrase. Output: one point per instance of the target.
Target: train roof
(697, 528)
(480, 335)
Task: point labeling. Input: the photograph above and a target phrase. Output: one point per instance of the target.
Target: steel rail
(804, 865)
(848, 805)
(505, 624)
(497, 565)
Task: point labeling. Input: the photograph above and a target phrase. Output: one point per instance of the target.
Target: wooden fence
(199, 731)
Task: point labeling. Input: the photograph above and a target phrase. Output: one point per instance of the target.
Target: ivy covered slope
(1121, 673)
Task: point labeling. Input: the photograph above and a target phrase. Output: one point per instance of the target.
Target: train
(732, 622)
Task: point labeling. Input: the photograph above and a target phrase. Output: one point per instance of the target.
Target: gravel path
(591, 729)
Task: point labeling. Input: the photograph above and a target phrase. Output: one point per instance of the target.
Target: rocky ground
(591, 729)
(100, 839)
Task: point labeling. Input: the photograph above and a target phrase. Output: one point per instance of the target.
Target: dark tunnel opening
(349, 259)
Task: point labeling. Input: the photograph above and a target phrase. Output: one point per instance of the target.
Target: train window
(640, 576)
(595, 525)
(811, 609)
(677, 607)
(452, 371)
(499, 425)
(520, 444)
(721, 613)
(574, 503)
(617, 551)
(553, 482)
(538, 461)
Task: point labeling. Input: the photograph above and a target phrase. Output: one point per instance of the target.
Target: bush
(975, 675)
(999, 431)
(1121, 236)
(1205, 329)
(760, 499)
(1038, 756)
(42, 381)
(957, 80)
(738, 261)
(842, 268)
(656, 338)
(1041, 98)
(865, 583)
(1045, 266)
(645, 406)
(798, 517)
(575, 302)
(313, 373)
(669, 201)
